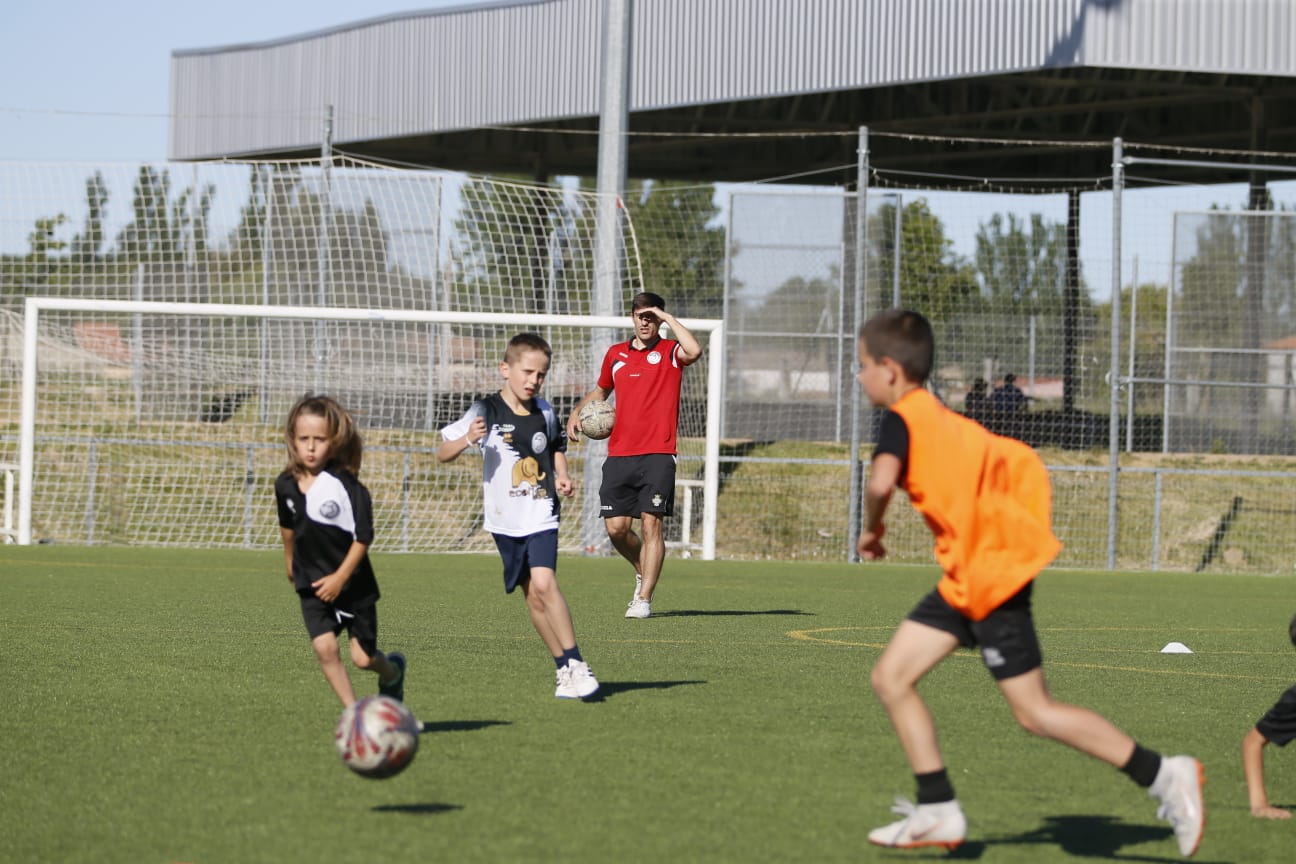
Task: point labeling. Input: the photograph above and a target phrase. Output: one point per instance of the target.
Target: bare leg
(1040, 714)
(912, 652)
(624, 540)
(550, 614)
(652, 553)
(377, 663)
(330, 660)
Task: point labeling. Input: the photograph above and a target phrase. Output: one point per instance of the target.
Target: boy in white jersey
(524, 469)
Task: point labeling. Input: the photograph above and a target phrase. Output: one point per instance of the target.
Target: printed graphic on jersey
(518, 488)
(327, 502)
(527, 471)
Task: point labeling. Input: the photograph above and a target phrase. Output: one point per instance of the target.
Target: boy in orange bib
(986, 500)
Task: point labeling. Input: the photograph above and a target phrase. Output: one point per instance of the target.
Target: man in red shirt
(639, 474)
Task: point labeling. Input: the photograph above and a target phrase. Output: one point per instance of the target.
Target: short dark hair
(647, 300)
(906, 337)
(526, 342)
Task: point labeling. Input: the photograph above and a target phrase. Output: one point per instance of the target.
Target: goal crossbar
(34, 306)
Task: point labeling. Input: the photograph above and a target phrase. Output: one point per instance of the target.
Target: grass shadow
(416, 809)
(689, 613)
(1092, 837)
(461, 725)
(611, 688)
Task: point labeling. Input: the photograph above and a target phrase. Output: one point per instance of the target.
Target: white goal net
(132, 407)
(162, 423)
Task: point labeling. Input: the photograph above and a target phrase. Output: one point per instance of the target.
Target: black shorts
(360, 623)
(520, 554)
(1278, 725)
(635, 485)
(1007, 638)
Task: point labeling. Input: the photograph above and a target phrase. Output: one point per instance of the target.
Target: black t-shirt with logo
(325, 520)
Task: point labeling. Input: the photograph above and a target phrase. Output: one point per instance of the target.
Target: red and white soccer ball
(596, 419)
(377, 737)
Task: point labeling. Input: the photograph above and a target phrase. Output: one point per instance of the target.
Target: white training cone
(1176, 648)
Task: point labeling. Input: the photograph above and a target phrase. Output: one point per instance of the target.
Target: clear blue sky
(86, 80)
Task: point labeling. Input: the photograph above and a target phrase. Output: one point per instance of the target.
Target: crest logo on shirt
(539, 442)
(653, 358)
(330, 509)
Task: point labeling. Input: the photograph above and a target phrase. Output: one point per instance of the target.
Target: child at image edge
(986, 500)
(326, 519)
(524, 468)
(1277, 726)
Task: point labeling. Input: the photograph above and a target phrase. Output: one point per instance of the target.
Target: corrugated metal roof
(538, 60)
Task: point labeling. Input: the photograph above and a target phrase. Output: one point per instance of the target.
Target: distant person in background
(977, 402)
(1008, 399)
(1007, 409)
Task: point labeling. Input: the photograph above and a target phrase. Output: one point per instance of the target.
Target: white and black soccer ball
(596, 419)
(377, 737)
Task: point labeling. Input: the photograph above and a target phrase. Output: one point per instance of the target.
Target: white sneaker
(923, 825)
(566, 688)
(638, 609)
(638, 586)
(1178, 786)
(582, 678)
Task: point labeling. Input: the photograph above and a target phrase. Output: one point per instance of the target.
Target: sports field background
(164, 706)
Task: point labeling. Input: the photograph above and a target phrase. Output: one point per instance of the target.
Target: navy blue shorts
(361, 623)
(520, 554)
(1007, 638)
(635, 485)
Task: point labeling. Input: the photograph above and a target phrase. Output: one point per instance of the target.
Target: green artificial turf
(164, 706)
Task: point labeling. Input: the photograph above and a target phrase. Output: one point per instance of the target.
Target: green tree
(514, 247)
(149, 234)
(1022, 266)
(681, 245)
(42, 240)
(247, 238)
(87, 245)
(933, 278)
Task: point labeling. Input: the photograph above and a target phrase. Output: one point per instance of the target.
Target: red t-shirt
(647, 388)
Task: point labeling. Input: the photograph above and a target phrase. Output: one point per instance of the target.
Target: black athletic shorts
(1007, 638)
(520, 554)
(634, 485)
(360, 623)
(1278, 725)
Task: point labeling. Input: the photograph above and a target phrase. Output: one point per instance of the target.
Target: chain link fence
(1138, 332)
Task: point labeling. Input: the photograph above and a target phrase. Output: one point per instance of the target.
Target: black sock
(934, 787)
(1143, 765)
(560, 661)
(572, 653)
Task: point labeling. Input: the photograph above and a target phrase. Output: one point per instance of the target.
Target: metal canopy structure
(763, 138)
(734, 90)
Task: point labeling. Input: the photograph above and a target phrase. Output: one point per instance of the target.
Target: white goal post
(124, 376)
